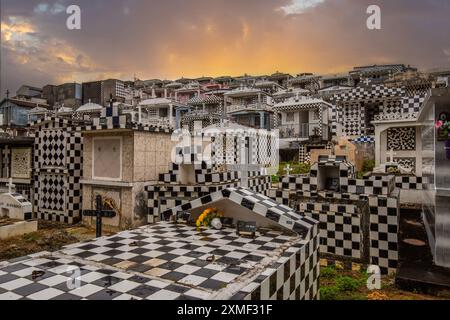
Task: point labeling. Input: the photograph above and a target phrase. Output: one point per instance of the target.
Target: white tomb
(14, 206)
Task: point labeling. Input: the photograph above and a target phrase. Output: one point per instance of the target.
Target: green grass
(368, 166)
(296, 168)
(328, 273)
(337, 285)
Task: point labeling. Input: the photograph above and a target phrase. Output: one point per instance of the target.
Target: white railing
(294, 131)
(253, 106)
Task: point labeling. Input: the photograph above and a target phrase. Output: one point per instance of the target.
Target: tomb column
(171, 114)
(6, 152)
(378, 131)
(262, 122)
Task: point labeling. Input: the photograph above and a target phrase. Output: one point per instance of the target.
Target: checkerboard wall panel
(53, 146)
(411, 182)
(352, 117)
(413, 104)
(341, 234)
(52, 194)
(294, 277)
(164, 197)
(5, 153)
(384, 215)
(58, 161)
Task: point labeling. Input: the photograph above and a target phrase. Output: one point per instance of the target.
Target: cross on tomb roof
(391, 155)
(11, 186)
(288, 169)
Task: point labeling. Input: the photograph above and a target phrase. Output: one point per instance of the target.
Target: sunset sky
(168, 39)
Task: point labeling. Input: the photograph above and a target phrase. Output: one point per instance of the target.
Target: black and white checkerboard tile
(413, 104)
(280, 196)
(58, 160)
(369, 93)
(362, 203)
(293, 277)
(260, 184)
(384, 221)
(352, 112)
(341, 234)
(259, 204)
(364, 139)
(167, 261)
(111, 118)
(164, 197)
(411, 182)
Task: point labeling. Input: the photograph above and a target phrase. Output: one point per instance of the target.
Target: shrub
(328, 273)
(297, 168)
(347, 284)
(329, 293)
(368, 165)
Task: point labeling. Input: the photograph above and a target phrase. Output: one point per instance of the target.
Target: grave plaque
(332, 184)
(182, 217)
(246, 229)
(21, 163)
(227, 222)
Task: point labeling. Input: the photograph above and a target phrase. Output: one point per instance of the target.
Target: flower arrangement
(443, 129)
(208, 216)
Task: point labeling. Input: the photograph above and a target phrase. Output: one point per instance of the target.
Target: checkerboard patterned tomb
(413, 104)
(203, 175)
(170, 192)
(170, 261)
(369, 93)
(283, 216)
(360, 222)
(258, 203)
(111, 118)
(411, 182)
(352, 113)
(58, 170)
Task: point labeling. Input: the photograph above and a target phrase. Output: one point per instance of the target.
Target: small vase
(216, 224)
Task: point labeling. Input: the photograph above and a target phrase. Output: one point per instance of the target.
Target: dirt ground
(336, 284)
(49, 237)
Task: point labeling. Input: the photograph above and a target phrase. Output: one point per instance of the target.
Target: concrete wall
(144, 156)
(152, 155)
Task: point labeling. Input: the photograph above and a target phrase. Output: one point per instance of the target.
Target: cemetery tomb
(180, 261)
(358, 222)
(120, 158)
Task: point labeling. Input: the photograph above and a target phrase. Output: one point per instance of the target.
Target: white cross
(288, 169)
(391, 155)
(10, 185)
(366, 81)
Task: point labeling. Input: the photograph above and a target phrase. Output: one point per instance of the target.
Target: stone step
(423, 277)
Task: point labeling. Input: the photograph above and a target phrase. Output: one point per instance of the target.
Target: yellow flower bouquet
(207, 216)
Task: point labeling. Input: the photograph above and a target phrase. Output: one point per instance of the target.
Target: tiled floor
(163, 261)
